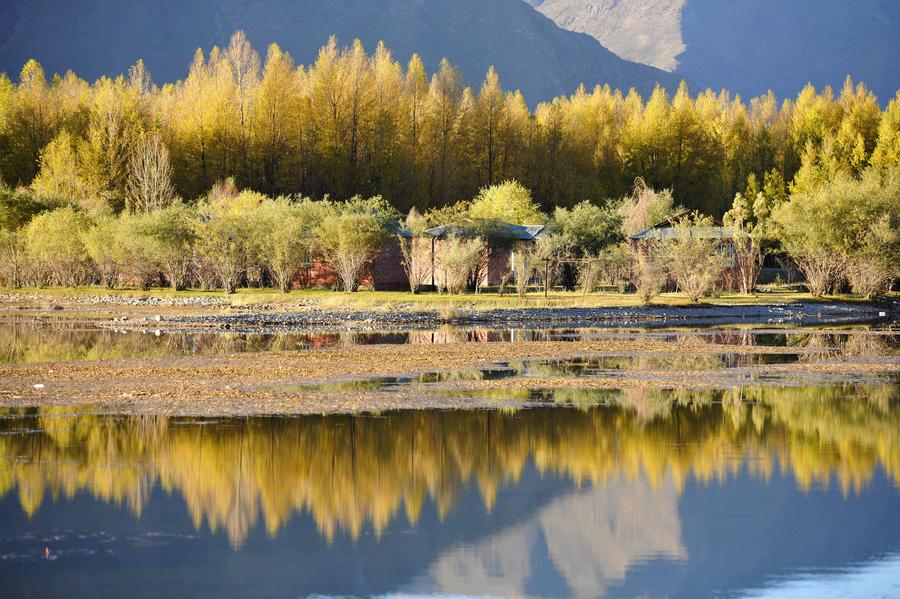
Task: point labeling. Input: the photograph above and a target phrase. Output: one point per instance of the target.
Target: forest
(364, 124)
(250, 167)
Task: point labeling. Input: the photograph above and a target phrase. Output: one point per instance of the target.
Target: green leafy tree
(508, 202)
(55, 246)
(456, 259)
(750, 221)
(61, 180)
(692, 258)
(13, 257)
(351, 233)
(588, 228)
(855, 221)
(284, 236)
(103, 244)
(137, 251)
(224, 235)
(17, 207)
(172, 234)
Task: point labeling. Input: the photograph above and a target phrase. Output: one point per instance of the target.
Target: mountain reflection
(350, 472)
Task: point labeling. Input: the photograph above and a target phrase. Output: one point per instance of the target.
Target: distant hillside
(646, 31)
(96, 37)
(748, 46)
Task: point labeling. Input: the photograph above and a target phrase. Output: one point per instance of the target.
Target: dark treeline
(354, 123)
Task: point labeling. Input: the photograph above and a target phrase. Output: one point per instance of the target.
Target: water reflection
(654, 493)
(29, 340)
(350, 472)
(24, 341)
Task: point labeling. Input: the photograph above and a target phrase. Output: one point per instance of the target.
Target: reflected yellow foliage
(350, 472)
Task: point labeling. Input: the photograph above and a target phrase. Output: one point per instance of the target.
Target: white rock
(39, 386)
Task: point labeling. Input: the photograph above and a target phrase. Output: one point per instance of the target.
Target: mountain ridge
(529, 51)
(748, 47)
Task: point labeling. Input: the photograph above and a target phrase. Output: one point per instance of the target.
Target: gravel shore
(645, 316)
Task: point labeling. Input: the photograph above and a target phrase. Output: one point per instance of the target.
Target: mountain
(97, 37)
(748, 46)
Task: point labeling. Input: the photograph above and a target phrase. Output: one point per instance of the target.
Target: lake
(794, 492)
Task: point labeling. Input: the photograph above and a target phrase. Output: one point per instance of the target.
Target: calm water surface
(27, 340)
(787, 493)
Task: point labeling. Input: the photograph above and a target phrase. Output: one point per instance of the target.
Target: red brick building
(499, 249)
(384, 272)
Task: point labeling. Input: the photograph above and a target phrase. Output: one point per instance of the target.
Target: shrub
(350, 234)
(694, 261)
(225, 235)
(649, 277)
(457, 258)
(55, 247)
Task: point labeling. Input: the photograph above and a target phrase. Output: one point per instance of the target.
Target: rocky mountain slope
(748, 47)
(95, 37)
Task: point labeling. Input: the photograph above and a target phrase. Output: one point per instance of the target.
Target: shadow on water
(652, 493)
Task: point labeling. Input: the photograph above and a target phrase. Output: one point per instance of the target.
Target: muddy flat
(448, 375)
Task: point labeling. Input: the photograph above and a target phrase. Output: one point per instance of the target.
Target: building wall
(384, 272)
(498, 264)
(728, 280)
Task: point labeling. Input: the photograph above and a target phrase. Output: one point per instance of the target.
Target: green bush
(350, 234)
(55, 247)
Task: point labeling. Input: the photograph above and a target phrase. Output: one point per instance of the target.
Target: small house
(500, 246)
(652, 242)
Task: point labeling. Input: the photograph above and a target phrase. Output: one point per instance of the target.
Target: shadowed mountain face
(97, 37)
(748, 47)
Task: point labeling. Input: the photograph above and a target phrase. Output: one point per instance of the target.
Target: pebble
(123, 300)
(708, 314)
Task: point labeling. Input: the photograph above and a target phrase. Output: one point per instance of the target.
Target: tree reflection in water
(350, 472)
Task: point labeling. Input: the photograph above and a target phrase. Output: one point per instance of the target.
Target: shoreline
(215, 314)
